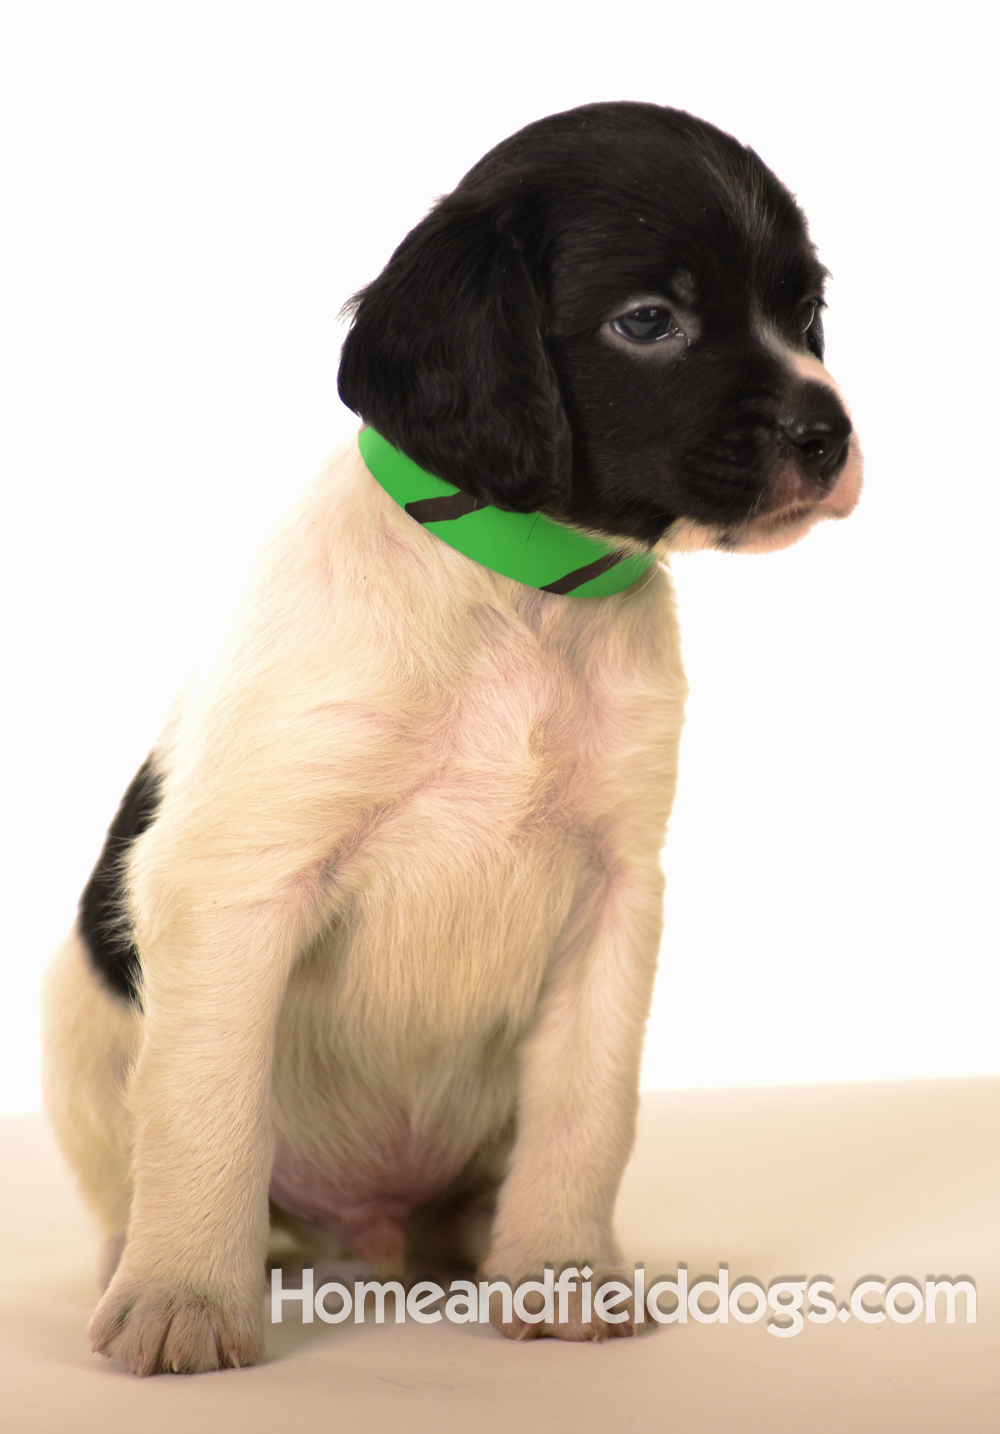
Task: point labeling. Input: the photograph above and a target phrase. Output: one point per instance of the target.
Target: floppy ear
(446, 359)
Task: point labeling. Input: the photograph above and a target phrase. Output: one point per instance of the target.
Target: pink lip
(843, 497)
(840, 502)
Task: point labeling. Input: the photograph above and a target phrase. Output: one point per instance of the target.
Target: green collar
(528, 547)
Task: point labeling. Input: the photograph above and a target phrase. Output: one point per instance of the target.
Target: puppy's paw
(147, 1328)
(574, 1313)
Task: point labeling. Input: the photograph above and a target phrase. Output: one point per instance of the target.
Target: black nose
(819, 429)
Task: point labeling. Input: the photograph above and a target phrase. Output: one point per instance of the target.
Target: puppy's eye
(647, 325)
(807, 312)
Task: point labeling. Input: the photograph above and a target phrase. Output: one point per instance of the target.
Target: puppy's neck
(528, 547)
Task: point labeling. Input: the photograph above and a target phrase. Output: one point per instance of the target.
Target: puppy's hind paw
(155, 1330)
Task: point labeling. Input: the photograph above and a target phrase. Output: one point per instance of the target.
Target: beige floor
(887, 1180)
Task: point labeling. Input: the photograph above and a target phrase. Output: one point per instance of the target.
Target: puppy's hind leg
(452, 1231)
(90, 1041)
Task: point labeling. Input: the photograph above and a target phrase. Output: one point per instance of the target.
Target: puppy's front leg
(187, 1293)
(578, 1100)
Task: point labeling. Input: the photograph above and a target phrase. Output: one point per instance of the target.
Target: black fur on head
(611, 318)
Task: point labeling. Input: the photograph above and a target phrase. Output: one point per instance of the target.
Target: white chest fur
(422, 782)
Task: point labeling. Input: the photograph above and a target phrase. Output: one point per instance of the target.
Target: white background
(192, 191)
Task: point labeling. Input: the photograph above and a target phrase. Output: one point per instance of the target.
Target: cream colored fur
(398, 917)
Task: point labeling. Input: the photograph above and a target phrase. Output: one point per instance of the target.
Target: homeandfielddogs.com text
(787, 1302)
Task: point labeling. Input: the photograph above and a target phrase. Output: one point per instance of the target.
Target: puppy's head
(615, 317)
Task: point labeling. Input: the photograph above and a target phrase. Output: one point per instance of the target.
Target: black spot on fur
(103, 920)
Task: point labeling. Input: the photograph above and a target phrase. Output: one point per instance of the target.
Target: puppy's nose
(818, 428)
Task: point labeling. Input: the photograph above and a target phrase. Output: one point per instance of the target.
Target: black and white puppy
(374, 933)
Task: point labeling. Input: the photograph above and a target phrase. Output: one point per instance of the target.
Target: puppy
(374, 932)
